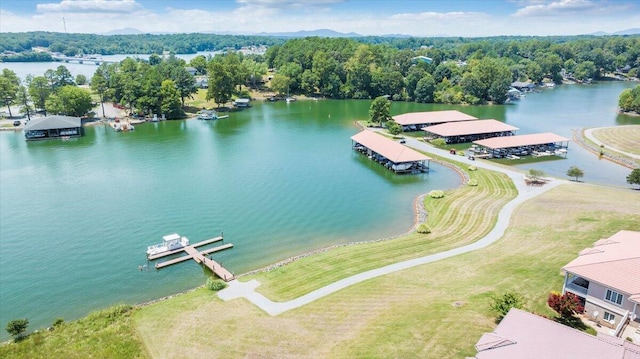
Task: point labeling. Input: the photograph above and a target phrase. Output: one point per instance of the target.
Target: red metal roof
(614, 262)
(525, 335)
(469, 128)
(521, 140)
(390, 149)
(421, 118)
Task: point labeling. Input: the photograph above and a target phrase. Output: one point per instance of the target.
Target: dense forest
(441, 70)
(74, 44)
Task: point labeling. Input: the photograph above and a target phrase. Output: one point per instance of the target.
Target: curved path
(588, 133)
(237, 289)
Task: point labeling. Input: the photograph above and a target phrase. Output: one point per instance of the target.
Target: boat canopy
(171, 237)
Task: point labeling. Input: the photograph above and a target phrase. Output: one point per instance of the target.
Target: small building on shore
(512, 147)
(242, 103)
(413, 121)
(51, 127)
(389, 153)
(468, 131)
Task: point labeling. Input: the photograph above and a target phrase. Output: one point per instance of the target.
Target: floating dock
(198, 256)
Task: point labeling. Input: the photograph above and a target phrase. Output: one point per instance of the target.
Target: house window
(609, 317)
(613, 297)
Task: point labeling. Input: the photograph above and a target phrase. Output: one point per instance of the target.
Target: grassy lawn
(437, 310)
(103, 334)
(461, 217)
(624, 138)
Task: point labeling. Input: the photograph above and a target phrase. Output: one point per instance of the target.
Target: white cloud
(556, 8)
(89, 6)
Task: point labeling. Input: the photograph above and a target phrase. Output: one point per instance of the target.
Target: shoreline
(420, 216)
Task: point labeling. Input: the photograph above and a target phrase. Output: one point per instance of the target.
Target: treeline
(74, 44)
(54, 92)
(456, 72)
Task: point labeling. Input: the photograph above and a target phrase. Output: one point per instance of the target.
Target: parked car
(16, 123)
(403, 141)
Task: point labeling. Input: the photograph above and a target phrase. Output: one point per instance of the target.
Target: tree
(171, 104)
(565, 305)
(393, 127)
(17, 327)
(379, 110)
(634, 177)
(40, 91)
(70, 101)
(535, 174)
(99, 85)
(221, 83)
(585, 70)
(502, 305)
(9, 83)
(25, 101)
(575, 172)
(280, 83)
(81, 79)
(425, 89)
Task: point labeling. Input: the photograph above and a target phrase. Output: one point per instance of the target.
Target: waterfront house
(525, 335)
(606, 278)
(50, 127)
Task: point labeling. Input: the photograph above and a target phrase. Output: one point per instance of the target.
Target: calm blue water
(76, 216)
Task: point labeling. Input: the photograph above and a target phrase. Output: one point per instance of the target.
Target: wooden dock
(199, 257)
(199, 244)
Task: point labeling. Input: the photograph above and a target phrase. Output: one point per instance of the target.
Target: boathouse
(537, 145)
(49, 127)
(242, 102)
(468, 131)
(413, 121)
(389, 153)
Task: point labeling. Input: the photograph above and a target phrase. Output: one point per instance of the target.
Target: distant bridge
(82, 60)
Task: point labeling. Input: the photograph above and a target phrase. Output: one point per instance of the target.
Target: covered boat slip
(391, 154)
(537, 145)
(468, 131)
(53, 127)
(413, 121)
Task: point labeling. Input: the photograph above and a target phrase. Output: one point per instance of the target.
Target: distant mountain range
(633, 31)
(332, 33)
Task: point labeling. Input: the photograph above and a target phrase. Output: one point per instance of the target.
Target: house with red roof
(606, 277)
(525, 335)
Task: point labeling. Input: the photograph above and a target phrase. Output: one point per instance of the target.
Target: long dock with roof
(468, 131)
(536, 144)
(389, 153)
(414, 121)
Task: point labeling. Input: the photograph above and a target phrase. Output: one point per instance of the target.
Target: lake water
(76, 216)
(278, 179)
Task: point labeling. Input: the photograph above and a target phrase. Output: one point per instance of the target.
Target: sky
(466, 18)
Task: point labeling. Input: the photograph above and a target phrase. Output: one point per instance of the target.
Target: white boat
(169, 243)
(208, 115)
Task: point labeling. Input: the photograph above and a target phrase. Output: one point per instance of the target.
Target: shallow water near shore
(279, 180)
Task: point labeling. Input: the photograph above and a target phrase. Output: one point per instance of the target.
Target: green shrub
(58, 322)
(472, 182)
(438, 142)
(423, 228)
(436, 193)
(460, 153)
(501, 305)
(473, 168)
(215, 284)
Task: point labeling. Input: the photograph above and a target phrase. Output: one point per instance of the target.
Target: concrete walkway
(237, 289)
(588, 133)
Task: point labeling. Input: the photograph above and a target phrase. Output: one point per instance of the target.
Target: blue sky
(372, 17)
